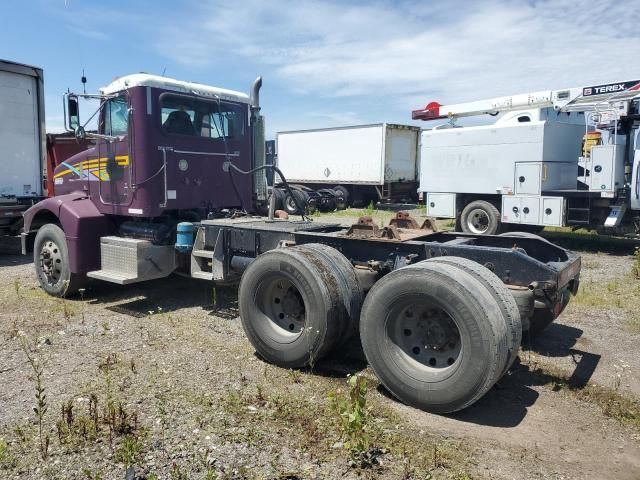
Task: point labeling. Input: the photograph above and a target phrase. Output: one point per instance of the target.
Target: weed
(636, 263)
(177, 473)
(353, 415)
(41, 401)
(72, 428)
(108, 363)
(369, 209)
(6, 459)
(105, 327)
(16, 287)
(129, 451)
(296, 376)
(93, 475)
(459, 475)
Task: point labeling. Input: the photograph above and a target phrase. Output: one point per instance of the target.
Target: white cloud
(409, 52)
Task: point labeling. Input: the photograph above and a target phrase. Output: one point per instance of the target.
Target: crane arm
(568, 99)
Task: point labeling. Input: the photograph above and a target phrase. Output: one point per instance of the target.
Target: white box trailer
(22, 131)
(22, 145)
(368, 162)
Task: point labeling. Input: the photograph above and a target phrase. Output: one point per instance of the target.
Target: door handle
(515, 209)
(525, 210)
(521, 179)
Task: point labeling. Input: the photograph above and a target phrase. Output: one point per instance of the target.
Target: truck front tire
(51, 261)
(480, 218)
(435, 336)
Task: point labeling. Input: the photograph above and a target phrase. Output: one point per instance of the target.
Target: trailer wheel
(290, 307)
(502, 295)
(291, 203)
(350, 289)
(343, 192)
(434, 335)
(480, 218)
(341, 203)
(279, 198)
(51, 261)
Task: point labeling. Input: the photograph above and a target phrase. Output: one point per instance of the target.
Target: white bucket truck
(552, 158)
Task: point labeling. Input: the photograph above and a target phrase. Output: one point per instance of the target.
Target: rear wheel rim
(424, 335)
(478, 221)
(50, 261)
(291, 204)
(280, 301)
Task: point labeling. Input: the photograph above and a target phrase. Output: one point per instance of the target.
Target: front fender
(83, 226)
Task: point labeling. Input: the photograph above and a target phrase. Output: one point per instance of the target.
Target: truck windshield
(202, 118)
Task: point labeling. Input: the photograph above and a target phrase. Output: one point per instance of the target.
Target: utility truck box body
(526, 158)
(22, 131)
(365, 154)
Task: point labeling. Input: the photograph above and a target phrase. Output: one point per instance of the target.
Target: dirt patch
(160, 376)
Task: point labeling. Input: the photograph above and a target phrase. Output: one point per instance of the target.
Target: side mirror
(73, 113)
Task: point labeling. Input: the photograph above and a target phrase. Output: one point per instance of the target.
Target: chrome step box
(129, 260)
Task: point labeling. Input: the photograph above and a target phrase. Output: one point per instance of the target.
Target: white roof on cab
(156, 81)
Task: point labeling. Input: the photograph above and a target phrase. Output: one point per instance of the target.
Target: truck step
(113, 277)
(202, 253)
(202, 275)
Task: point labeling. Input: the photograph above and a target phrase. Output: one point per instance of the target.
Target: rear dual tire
(437, 335)
(298, 303)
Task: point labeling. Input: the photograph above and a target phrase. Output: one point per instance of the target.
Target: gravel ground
(181, 394)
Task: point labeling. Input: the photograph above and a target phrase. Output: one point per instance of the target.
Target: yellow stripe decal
(122, 160)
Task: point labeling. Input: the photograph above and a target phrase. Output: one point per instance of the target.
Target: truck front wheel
(51, 260)
(480, 218)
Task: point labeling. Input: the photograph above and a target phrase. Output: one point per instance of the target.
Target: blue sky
(328, 63)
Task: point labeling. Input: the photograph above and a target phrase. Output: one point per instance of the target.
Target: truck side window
(116, 118)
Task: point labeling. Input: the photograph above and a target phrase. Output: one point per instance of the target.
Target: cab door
(112, 168)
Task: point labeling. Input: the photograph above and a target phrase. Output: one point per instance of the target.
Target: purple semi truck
(171, 186)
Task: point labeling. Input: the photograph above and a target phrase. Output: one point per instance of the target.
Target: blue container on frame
(184, 236)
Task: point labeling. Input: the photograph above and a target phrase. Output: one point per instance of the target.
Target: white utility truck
(22, 146)
(553, 158)
(359, 164)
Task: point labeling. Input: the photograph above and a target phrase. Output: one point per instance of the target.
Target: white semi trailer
(360, 164)
(22, 146)
(554, 158)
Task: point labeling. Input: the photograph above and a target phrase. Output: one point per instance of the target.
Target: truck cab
(161, 155)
